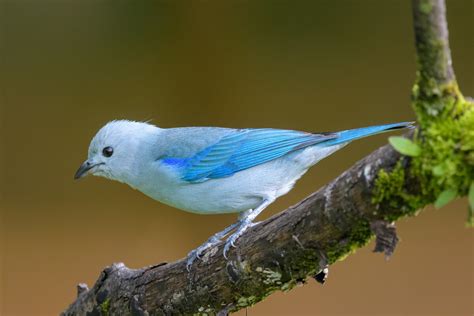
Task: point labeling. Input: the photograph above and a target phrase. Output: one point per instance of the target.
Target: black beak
(82, 171)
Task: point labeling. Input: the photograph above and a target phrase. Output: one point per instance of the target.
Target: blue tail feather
(353, 134)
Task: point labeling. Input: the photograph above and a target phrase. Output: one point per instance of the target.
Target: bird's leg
(213, 240)
(245, 221)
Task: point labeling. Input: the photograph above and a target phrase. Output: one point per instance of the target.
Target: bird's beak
(83, 169)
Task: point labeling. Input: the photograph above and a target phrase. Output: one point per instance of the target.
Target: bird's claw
(192, 256)
(242, 225)
(197, 253)
(230, 242)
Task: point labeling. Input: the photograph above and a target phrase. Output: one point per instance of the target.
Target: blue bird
(212, 170)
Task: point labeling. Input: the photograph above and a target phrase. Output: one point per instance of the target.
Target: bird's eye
(107, 151)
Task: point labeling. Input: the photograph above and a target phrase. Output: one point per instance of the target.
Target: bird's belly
(210, 197)
(240, 192)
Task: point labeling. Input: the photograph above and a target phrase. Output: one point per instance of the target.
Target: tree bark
(301, 241)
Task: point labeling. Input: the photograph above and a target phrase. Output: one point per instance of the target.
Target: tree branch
(302, 241)
(432, 44)
(436, 80)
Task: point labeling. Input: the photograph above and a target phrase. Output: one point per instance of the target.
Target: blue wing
(243, 149)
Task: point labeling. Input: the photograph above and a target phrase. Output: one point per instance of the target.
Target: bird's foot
(214, 240)
(196, 253)
(230, 242)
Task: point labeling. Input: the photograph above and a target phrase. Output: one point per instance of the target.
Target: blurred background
(68, 67)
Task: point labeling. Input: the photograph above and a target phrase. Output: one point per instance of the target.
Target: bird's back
(187, 141)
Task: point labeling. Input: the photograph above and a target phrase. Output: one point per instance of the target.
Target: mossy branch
(302, 241)
(436, 91)
(443, 167)
(432, 44)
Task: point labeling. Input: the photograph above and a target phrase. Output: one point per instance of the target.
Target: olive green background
(68, 67)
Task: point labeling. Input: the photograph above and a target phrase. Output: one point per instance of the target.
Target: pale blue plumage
(211, 170)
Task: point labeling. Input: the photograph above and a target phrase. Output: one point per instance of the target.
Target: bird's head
(117, 149)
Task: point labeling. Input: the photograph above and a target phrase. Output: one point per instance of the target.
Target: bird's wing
(243, 149)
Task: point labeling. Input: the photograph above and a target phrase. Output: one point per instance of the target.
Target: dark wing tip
(408, 125)
(326, 135)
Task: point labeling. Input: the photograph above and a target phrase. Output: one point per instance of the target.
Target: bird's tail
(353, 134)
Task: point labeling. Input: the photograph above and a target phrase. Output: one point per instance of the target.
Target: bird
(213, 170)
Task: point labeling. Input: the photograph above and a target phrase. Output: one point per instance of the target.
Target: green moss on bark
(104, 307)
(390, 188)
(359, 236)
(446, 162)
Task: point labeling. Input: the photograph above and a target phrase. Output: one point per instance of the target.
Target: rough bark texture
(302, 241)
